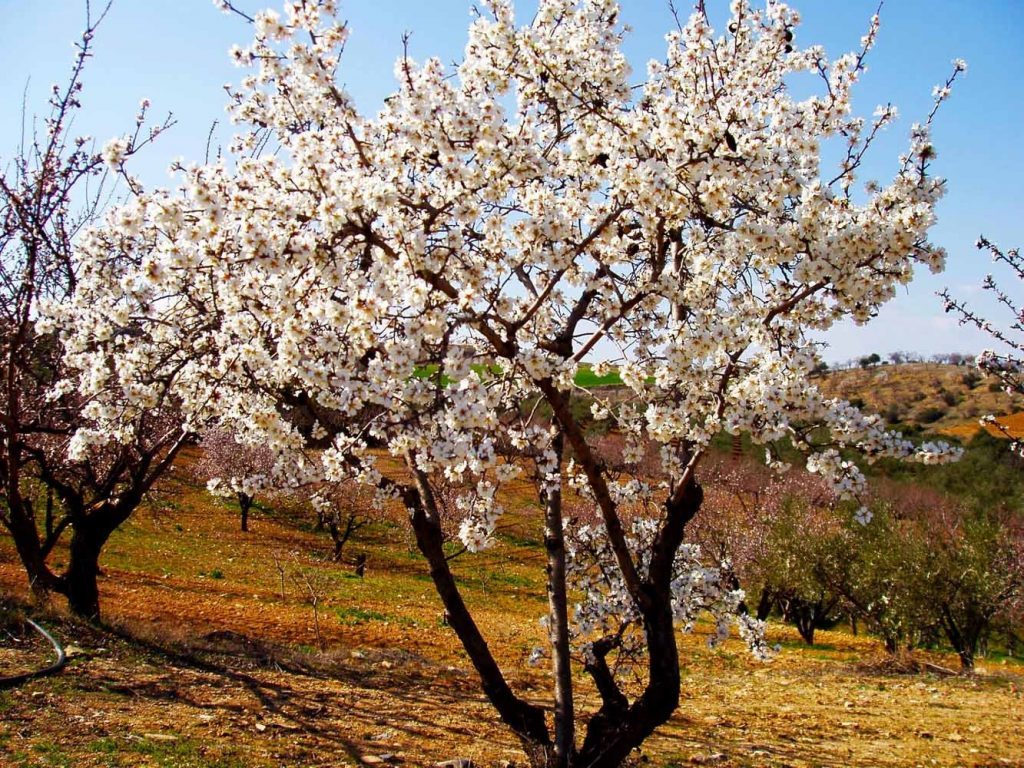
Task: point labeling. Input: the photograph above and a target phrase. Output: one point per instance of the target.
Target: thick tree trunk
(30, 550)
(765, 604)
(526, 720)
(612, 736)
(89, 534)
(80, 585)
(611, 739)
(964, 639)
(805, 625)
(966, 660)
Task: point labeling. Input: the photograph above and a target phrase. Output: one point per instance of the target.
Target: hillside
(929, 395)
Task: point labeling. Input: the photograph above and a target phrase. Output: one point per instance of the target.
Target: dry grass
(220, 670)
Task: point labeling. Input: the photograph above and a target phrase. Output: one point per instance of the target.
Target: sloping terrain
(928, 395)
(215, 658)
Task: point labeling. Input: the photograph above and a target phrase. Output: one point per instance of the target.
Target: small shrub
(971, 379)
(893, 413)
(930, 415)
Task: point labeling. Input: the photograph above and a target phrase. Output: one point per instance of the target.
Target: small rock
(160, 737)
(73, 650)
(261, 727)
(714, 757)
(379, 759)
(459, 762)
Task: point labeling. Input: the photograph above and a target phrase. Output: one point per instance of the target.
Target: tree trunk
(26, 540)
(764, 605)
(245, 504)
(525, 719)
(613, 734)
(558, 622)
(964, 640)
(80, 580)
(90, 531)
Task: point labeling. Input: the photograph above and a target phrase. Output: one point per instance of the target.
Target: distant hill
(935, 397)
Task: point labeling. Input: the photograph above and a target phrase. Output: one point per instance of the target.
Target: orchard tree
(976, 576)
(53, 187)
(235, 469)
(880, 573)
(748, 511)
(495, 226)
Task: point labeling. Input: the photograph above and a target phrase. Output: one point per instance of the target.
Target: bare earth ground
(206, 664)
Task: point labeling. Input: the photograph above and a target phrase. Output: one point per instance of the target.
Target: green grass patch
(183, 753)
(517, 540)
(586, 378)
(52, 755)
(353, 616)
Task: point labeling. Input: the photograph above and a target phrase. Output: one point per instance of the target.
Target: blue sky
(174, 53)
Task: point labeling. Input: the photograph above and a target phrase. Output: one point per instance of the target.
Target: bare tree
(1006, 363)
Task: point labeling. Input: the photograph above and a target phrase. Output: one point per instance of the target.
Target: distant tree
(342, 510)
(877, 571)
(746, 523)
(870, 360)
(975, 575)
(804, 536)
(53, 481)
(235, 469)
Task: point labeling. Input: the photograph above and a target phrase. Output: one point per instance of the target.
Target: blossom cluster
(605, 610)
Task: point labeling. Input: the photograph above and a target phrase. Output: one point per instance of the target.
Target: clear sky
(174, 52)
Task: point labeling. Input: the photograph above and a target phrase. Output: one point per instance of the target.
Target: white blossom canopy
(425, 270)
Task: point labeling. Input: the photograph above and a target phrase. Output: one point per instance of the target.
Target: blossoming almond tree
(52, 188)
(233, 469)
(416, 281)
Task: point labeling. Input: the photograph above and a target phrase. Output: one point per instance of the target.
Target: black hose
(57, 666)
